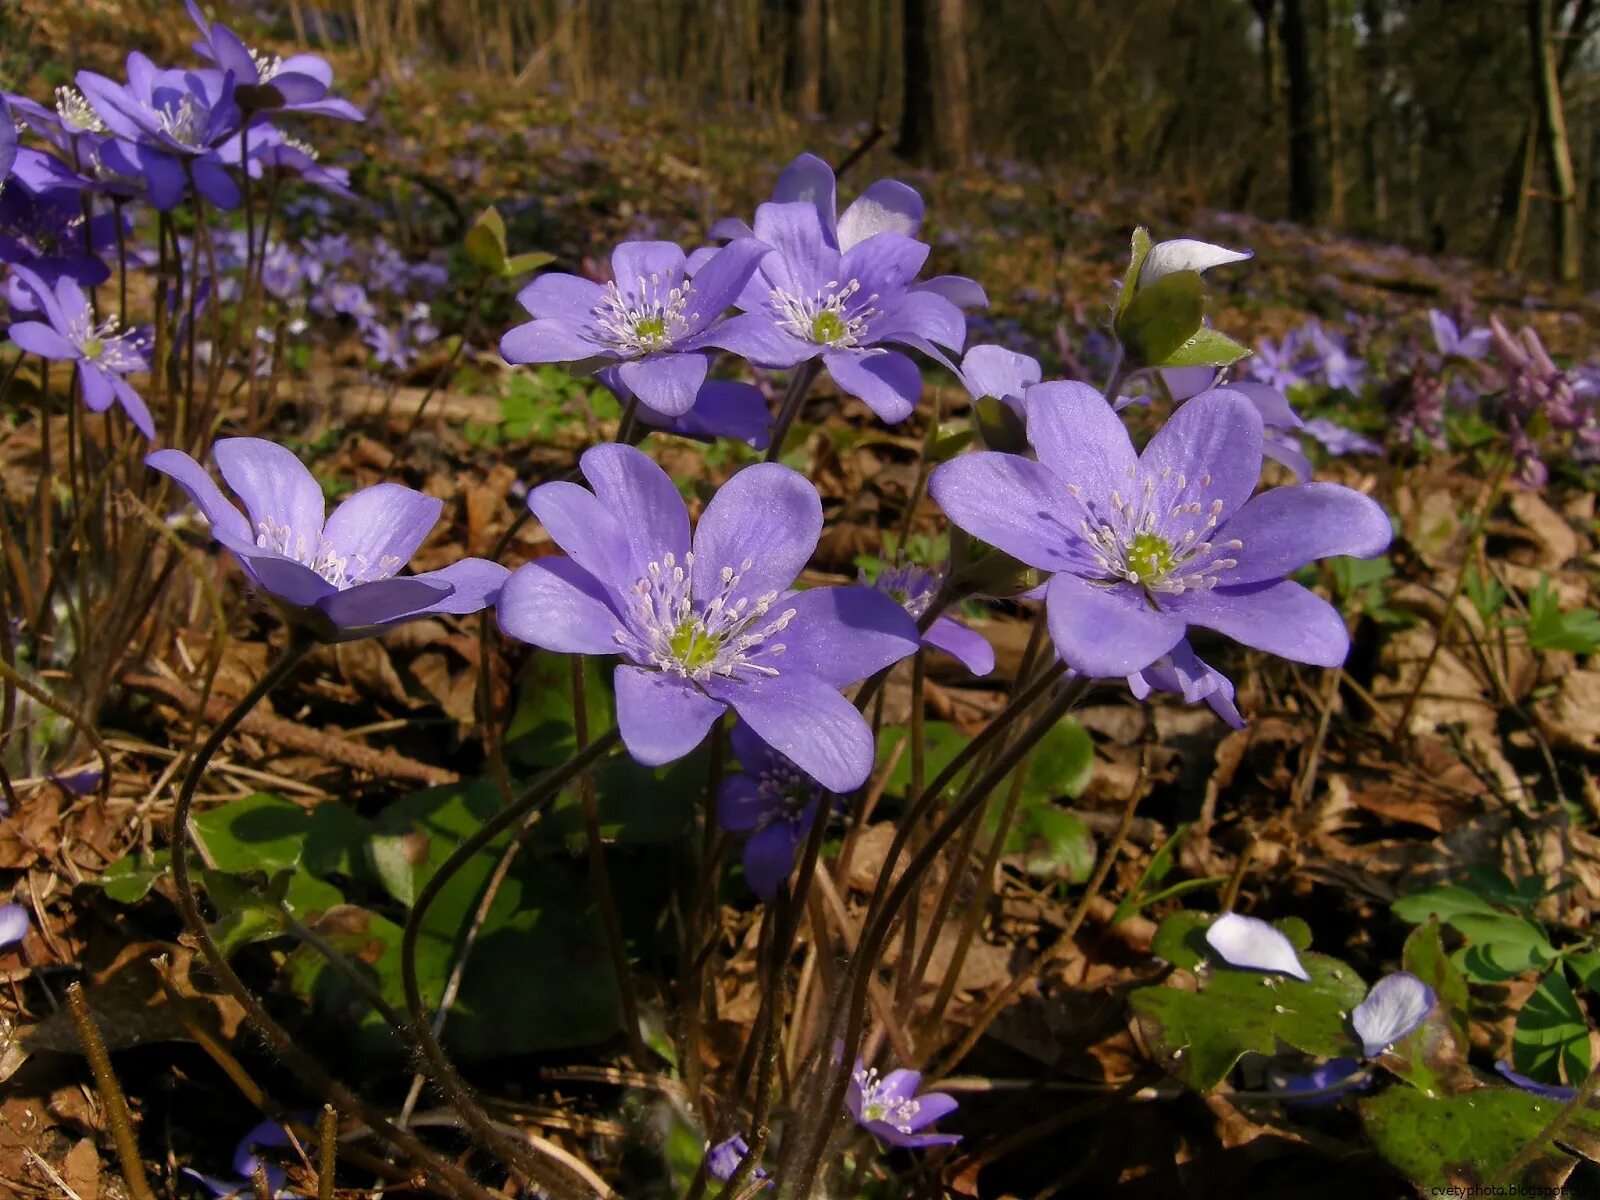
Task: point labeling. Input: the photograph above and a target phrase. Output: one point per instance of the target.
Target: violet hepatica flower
(103, 351)
(182, 115)
(773, 802)
(1182, 671)
(1337, 440)
(723, 1159)
(887, 206)
(298, 83)
(8, 141)
(1327, 1083)
(43, 229)
(1452, 343)
(708, 623)
(267, 1135)
(810, 300)
(1143, 546)
(889, 1109)
(913, 589)
(722, 409)
(1277, 364)
(1252, 945)
(13, 924)
(335, 575)
(652, 320)
(1551, 1091)
(1396, 1005)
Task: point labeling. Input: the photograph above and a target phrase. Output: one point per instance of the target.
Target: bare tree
(916, 108)
(953, 85)
(1305, 171)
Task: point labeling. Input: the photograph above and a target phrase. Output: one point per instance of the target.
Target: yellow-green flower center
(93, 347)
(650, 331)
(1150, 555)
(694, 647)
(827, 327)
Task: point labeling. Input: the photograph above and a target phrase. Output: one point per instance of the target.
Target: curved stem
(444, 1073)
(799, 385)
(309, 1070)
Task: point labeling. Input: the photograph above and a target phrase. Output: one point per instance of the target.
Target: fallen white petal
(1395, 1006)
(1185, 254)
(1254, 945)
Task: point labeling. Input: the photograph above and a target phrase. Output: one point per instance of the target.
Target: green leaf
(1577, 630)
(1140, 249)
(1154, 872)
(486, 242)
(244, 913)
(1465, 1139)
(1061, 764)
(129, 879)
(1207, 348)
(1551, 1038)
(1162, 318)
(262, 832)
(1442, 902)
(638, 805)
(541, 733)
(999, 426)
(1198, 1036)
(1512, 943)
(1181, 939)
(951, 444)
(941, 740)
(1055, 843)
(526, 264)
(1424, 956)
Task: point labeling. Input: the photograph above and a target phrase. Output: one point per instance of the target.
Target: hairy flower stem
(880, 924)
(457, 1091)
(105, 1082)
(455, 1181)
(327, 1150)
(600, 876)
(799, 384)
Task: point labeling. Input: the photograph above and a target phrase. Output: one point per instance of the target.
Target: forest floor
(1445, 752)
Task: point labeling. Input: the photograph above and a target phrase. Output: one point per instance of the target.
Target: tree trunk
(1373, 163)
(1333, 110)
(1305, 171)
(1558, 152)
(953, 89)
(916, 108)
(809, 55)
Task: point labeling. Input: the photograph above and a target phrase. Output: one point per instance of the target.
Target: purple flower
(8, 141)
(1182, 671)
(1337, 440)
(181, 115)
(273, 150)
(811, 300)
(103, 352)
(246, 1157)
(651, 319)
(1339, 368)
(913, 589)
(1333, 1079)
(1550, 1091)
(301, 81)
(890, 1110)
(1143, 546)
(722, 409)
(1276, 364)
(1005, 375)
(1452, 343)
(771, 800)
(1252, 945)
(44, 229)
(1396, 1005)
(723, 1159)
(887, 206)
(709, 623)
(335, 576)
(13, 924)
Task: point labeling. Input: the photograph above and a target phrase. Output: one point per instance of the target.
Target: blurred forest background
(1468, 127)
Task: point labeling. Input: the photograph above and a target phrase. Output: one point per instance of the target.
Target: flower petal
(741, 804)
(1253, 945)
(586, 529)
(888, 206)
(967, 646)
(998, 372)
(754, 336)
(365, 606)
(886, 263)
(806, 719)
(888, 383)
(844, 634)
(386, 521)
(275, 486)
(35, 337)
(556, 605)
(920, 318)
(667, 383)
(1396, 1005)
(769, 857)
(662, 717)
(1287, 527)
(1208, 453)
(643, 501)
(569, 298)
(762, 526)
(1281, 618)
(1185, 254)
(476, 583)
(1083, 441)
(1551, 1090)
(718, 283)
(1107, 631)
(134, 406)
(550, 340)
(805, 260)
(958, 289)
(809, 180)
(13, 924)
(1013, 504)
(202, 490)
(296, 584)
(645, 267)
